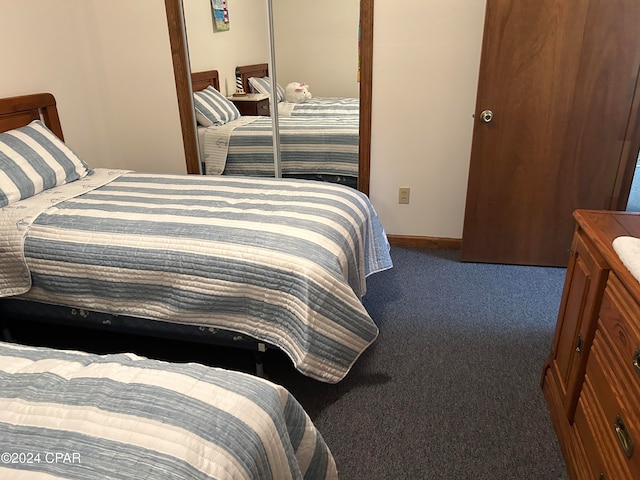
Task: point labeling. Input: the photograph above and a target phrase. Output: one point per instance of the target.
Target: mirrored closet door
(195, 45)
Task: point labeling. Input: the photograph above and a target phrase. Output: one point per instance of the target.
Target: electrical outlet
(403, 195)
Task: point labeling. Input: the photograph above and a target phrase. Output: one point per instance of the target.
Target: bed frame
(18, 111)
(247, 71)
(202, 80)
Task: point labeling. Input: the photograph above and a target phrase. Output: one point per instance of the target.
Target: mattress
(283, 261)
(68, 414)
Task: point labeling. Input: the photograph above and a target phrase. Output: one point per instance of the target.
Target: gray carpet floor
(451, 388)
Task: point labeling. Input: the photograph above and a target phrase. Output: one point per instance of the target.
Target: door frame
(629, 156)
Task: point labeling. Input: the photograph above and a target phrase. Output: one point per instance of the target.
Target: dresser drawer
(613, 408)
(619, 316)
(262, 108)
(584, 423)
(253, 107)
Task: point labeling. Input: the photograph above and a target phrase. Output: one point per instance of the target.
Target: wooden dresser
(591, 380)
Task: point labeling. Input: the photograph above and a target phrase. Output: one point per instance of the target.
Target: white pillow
(263, 85)
(213, 108)
(34, 159)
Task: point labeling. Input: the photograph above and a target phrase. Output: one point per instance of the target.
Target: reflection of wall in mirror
(76, 50)
(317, 43)
(245, 43)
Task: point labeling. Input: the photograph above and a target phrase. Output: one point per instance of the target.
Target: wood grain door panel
(559, 76)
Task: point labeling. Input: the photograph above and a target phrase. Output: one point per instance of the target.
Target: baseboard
(414, 241)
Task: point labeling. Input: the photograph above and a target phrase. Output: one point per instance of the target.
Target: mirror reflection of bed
(313, 146)
(210, 50)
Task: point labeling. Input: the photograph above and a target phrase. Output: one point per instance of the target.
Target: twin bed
(266, 262)
(69, 414)
(318, 140)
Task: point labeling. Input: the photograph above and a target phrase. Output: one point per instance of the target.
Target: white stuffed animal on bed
(297, 92)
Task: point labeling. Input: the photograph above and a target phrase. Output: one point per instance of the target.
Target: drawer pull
(579, 345)
(636, 360)
(624, 438)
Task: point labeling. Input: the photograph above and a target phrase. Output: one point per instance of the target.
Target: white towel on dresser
(628, 249)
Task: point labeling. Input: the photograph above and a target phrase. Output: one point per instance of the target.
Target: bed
(254, 78)
(312, 147)
(277, 263)
(70, 414)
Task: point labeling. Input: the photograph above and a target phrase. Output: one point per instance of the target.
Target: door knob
(486, 116)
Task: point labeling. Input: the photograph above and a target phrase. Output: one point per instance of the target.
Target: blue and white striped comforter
(321, 106)
(66, 414)
(308, 146)
(282, 261)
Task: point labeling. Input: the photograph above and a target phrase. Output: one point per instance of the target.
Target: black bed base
(15, 312)
(319, 177)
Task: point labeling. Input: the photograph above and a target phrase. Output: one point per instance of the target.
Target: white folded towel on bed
(628, 249)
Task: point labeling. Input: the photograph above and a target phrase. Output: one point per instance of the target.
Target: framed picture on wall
(220, 15)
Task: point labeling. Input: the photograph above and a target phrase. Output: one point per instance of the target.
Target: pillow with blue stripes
(263, 85)
(34, 159)
(213, 108)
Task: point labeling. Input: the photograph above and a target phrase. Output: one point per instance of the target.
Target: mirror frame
(182, 73)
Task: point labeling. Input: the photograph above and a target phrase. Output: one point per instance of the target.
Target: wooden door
(560, 78)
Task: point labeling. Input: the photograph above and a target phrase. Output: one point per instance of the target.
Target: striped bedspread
(321, 106)
(283, 261)
(66, 414)
(308, 145)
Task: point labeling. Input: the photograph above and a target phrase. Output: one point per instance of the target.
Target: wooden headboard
(201, 80)
(16, 112)
(247, 71)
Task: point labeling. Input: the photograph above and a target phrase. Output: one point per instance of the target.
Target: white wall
(245, 43)
(317, 43)
(426, 57)
(323, 54)
(108, 63)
